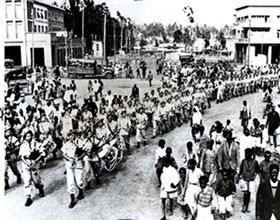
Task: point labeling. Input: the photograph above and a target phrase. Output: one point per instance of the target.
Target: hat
(123, 110)
(141, 107)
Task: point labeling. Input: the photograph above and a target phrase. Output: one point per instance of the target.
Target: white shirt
(194, 175)
(160, 153)
(196, 118)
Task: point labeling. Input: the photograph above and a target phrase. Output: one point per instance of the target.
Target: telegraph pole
(32, 27)
(114, 42)
(104, 37)
(249, 41)
(83, 32)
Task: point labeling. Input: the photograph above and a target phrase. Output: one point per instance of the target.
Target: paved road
(130, 192)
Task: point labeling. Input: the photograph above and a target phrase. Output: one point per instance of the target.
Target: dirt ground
(130, 191)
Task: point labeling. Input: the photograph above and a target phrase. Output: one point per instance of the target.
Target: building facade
(36, 26)
(258, 34)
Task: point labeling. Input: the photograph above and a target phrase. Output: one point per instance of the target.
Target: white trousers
(225, 204)
(30, 176)
(74, 175)
(88, 172)
(140, 134)
(204, 213)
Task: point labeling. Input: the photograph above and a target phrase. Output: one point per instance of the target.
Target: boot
(138, 144)
(81, 194)
(88, 187)
(73, 202)
(7, 186)
(18, 179)
(54, 156)
(97, 180)
(28, 201)
(41, 190)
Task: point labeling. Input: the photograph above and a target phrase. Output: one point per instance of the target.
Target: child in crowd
(193, 175)
(264, 166)
(189, 154)
(208, 162)
(160, 153)
(182, 187)
(249, 169)
(169, 184)
(225, 188)
(205, 199)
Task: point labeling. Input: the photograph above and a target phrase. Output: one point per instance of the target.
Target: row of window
(14, 11)
(40, 29)
(14, 30)
(40, 13)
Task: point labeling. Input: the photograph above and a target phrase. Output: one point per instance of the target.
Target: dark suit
(266, 203)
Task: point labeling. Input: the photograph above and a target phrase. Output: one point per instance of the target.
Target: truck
(17, 75)
(82, 68)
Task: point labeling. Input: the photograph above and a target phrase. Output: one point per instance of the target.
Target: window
(46, 14)
(97, 47)
(10, 30)
(46, 29)
(9, 11)
(18, 11)
(18, 29)
(39, 28)
(278, 34)
(35, 13)
(35, 28)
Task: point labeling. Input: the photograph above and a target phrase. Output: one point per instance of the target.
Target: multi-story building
(36, 25)
(258, 33)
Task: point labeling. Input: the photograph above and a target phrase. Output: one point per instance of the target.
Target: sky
(210, 12)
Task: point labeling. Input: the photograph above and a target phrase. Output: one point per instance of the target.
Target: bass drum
(111, 156)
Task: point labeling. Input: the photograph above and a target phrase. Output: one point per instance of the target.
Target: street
(130, 191)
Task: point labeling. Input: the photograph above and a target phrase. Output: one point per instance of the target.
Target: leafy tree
(143, 43)
(178, 36)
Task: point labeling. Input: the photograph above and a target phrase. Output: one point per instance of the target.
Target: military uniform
(31, 153)
(73, 158)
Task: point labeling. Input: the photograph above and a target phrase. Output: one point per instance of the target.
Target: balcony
(260, 38)
(256, 23)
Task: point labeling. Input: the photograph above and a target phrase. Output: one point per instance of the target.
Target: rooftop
(257, 6)
(48, 3)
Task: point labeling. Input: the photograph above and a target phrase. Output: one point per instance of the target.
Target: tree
(222, 40)
(178, 36)
(143, 43)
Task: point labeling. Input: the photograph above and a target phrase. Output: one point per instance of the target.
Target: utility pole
(249, 41)
(114, 42)
(104, 37)
(66, 48)
(32, 27)
(121, 36)
(83, 32)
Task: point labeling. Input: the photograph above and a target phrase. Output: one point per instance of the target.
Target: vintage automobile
(186, 59)
(17, 75)
(81, 68)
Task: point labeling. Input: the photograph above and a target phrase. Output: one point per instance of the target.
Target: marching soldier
(31, 153)
(92, 163)
(73, 158)
(12, 145)
(124, 125)
(141, 122)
